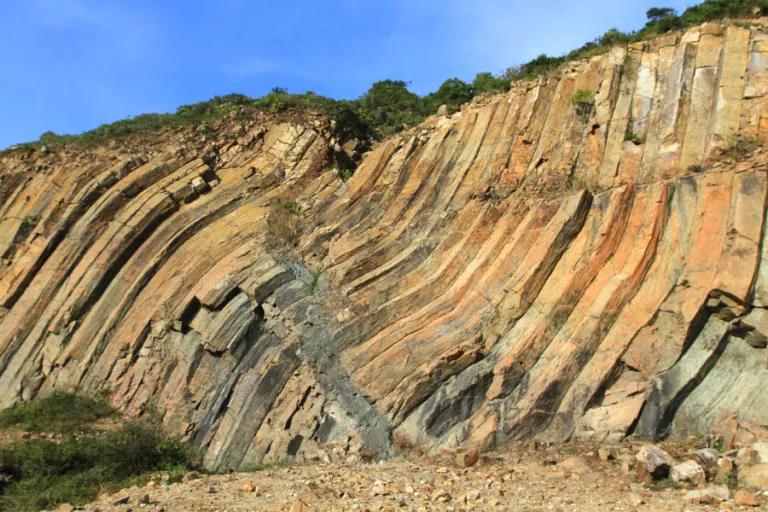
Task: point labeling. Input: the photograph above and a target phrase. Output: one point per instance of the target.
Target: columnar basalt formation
(506, 273)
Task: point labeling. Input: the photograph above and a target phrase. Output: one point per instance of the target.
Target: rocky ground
(523, 477)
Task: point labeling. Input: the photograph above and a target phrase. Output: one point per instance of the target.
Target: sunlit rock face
(506, 273)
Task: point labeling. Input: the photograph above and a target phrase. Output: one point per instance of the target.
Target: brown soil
(564, 478)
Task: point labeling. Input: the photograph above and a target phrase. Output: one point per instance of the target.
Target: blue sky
(70, 65)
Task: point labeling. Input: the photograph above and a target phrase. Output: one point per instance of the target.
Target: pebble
(508, 480)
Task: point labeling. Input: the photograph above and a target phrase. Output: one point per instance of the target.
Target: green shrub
(740, 146)
(487, 83)
(31, 220)
(278, 99)
(660, 21)
(391, 107)
(58, 413)
(453, 93)
(283, 229)
(291, 207)
(720, 9)
(541, 65)
(315, 280)
(76, 467)
(663, 484)
(54, 138)
(584, 101)
(46, 473)
(613, 37)
(630, 136)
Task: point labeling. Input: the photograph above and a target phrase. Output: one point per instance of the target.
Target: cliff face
(510, 272)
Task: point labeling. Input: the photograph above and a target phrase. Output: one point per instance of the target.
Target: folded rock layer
(506, 273)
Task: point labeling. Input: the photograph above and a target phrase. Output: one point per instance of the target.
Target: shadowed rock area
(510, 272)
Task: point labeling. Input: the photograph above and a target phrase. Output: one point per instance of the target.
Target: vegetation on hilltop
(660, 20)
(388, 106)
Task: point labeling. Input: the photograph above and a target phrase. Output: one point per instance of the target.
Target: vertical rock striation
(507, 273)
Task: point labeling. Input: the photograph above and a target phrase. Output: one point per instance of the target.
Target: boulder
(749, 455)
(575, 464)
(745, 499)
(721, 478)
(706, 457)
(762, 450)
(726, 464)
(710, 495)
(468, 458)
(688, 471)
(756, 324)
(607, 453)
(653, 463)
(717, 494)
(757, 428)
(754, 477)
(299, 506)
(693, 497)
(379, 489)
(442, 110)
(736, 434)
(200, 185)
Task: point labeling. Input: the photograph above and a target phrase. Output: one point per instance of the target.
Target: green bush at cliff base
(60, 413)
(76, 468)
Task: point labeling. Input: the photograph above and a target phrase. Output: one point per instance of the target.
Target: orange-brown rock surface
(505, 273)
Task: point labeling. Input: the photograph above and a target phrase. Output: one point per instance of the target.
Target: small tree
(654, 14)
(662, 19)
(613, 37)
(390, 105)
(453, 92)
(488, 83)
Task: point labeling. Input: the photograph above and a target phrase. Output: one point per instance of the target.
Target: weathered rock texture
(506, 273)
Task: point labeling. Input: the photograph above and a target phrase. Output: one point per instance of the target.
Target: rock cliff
(516, 270)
